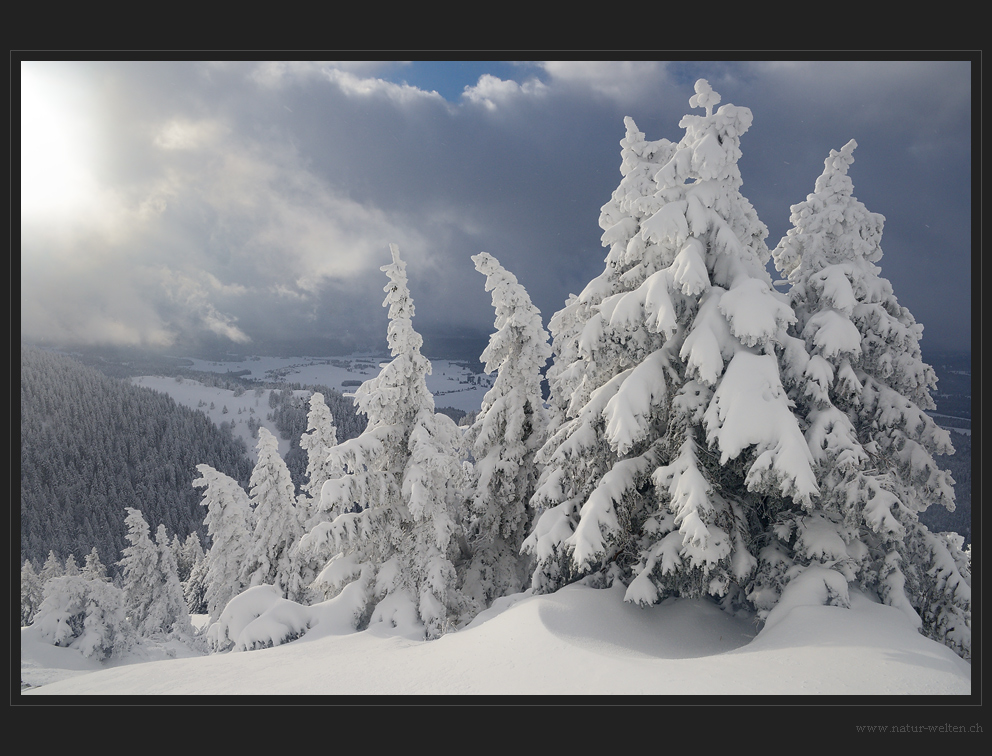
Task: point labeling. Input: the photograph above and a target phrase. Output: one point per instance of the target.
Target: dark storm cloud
(255, 202)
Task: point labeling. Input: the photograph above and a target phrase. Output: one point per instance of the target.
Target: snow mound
(259, 618)
(674, 629)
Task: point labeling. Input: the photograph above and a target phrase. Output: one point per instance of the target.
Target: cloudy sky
(184, 204)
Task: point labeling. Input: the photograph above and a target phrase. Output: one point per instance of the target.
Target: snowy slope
(240, 409)
(578, 641)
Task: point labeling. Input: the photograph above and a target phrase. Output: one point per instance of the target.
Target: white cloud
(278, 73)
(360, 86)
(185, 134)
(194, 297)
(492, 91)
(621, 80)
(354, 78)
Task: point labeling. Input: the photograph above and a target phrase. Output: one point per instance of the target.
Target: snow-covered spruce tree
(504, 438)
(153, 598)
(229, 522)
(194, 565)
(569, 470)
(320, 437)
(52, 568)
(678, 443)
(171, 607)
(865, 406)
(32, 592)
(85, 614)
(71, 567)
(139, 568)
(93, 568)
(277, 519)
(404, 472)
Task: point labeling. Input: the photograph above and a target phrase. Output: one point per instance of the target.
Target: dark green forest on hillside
(92, 445)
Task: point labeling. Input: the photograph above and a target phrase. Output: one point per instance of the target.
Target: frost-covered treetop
(270, 479)
(835, 175)
(400, 391)
(831, 226)
(401, 336)
(705, 97)
(711, 147)
(520, 335)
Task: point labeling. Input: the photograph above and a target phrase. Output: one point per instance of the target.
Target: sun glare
(56, 175)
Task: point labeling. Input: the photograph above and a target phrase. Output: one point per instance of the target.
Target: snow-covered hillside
(578, 641)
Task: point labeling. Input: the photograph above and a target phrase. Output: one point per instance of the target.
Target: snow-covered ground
(578, 641)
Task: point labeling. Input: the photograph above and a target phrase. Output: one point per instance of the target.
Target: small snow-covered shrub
(258, 618)
(84, 614)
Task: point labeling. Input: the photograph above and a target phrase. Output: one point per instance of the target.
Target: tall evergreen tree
(404, 472)
(868, 430)
(171, 609)
(678, 441)
(152, 595)
(194, 585)
(320, 437)
(229, 521)
(504, 439)
(277, 519)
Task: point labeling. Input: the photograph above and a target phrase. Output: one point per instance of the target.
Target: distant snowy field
(452, 384)
(578, 641)
(449, 381)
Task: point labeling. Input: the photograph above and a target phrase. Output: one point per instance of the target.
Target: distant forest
(93, 445)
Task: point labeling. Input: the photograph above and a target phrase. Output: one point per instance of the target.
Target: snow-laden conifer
(153, 598)
(404, 474)
(93, 568)
(570, 461)
(229, 523)
(193, 574)
(87, 615)
(53, 567)
(678, 437)
(318, 440)
(139, 568)
(32, 592)
(504, 438)
(320, 437)
(277, 518)
(71, 566)
(171, 608)
(866, 393)
(620, 219)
